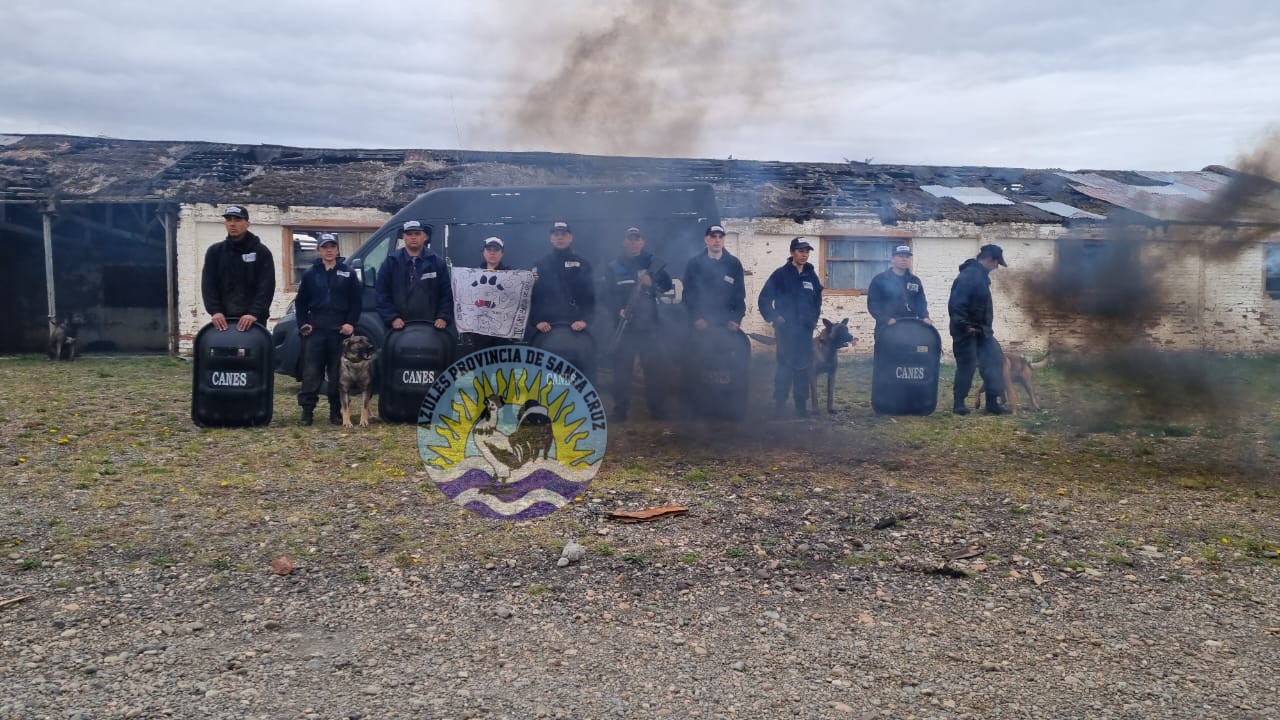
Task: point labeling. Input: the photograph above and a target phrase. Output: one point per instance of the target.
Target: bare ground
(1123, 565)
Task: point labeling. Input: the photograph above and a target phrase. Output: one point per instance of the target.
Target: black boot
(994, 407)
(335, 415)
(958, 407)
(307, 416)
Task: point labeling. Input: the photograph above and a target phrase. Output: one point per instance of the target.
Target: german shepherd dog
(62, 337)
(1017, 369)
(832, 337)
(356, 377)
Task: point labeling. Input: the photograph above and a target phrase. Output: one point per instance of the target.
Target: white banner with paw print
(492, 302)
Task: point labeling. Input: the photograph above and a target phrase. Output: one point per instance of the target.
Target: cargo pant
(644, 345)
(981, 352)
(795, 363)
(321, 356)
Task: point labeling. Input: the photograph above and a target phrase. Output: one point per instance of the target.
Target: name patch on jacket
(626, 282)
(249, 257)
(344, 273)
(913, 286)
(807, 285)
(572, 263)
(428, 276)
(728, 279)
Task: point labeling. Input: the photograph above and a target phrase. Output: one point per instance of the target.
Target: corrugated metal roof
(1067, 211)
(967, 194)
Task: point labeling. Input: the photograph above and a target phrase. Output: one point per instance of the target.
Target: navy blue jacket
(891, 296)
(565, 291)
(414, 289)
(328, 299)
(795, 295)
(624, 273)
(239, 278)
(970, 305)
(714, 290)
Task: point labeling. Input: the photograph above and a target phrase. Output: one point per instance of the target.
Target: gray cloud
(1172, 85)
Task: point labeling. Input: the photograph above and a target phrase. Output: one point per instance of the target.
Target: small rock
(503, 611)
(371, 690)
(841, 707)
(739, 666)
(573, 552)
(562, 562)
(282, 565)
(272, 625)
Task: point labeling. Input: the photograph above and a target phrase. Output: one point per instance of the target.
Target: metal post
(170, 273)
(48, 265)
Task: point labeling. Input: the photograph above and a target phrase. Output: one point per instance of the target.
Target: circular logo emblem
(512, 432)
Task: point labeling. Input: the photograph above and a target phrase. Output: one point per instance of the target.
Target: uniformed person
(491, 259)
(564, 293)
(636, 278)
(714, 292)
(327, 309)
(897, 293)
(413, 283)
(972, 339)
(239, 275)
(791, 300)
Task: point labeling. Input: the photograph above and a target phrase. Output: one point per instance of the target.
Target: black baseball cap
(800, 244)
(715, 230)
(560, 226)
(494, 242)
(634, 232)
(903, 250)
(993, 251)
(411, 225)
(236, 211)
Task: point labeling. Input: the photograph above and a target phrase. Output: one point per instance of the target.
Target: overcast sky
(1116, 84)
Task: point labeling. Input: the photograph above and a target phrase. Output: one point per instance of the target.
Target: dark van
(672, 216)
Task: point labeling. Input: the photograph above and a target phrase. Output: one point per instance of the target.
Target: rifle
(633, 303)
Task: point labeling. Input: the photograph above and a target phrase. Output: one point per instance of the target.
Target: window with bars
(851, 262)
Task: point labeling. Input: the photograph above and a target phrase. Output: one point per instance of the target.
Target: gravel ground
(793, 627)
(1097, 580)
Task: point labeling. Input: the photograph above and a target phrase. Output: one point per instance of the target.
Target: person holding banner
(491, 303)
(494, 248)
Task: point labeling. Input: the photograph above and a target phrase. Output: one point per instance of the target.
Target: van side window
(378, 249)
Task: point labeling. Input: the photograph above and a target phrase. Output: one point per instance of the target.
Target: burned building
(126, 224)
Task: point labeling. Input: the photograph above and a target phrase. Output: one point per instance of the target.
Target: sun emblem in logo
(512, 433)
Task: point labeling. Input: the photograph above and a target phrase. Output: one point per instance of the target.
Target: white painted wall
(1219, 304)
(200, 226)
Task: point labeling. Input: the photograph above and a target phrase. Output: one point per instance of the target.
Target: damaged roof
(36, 168)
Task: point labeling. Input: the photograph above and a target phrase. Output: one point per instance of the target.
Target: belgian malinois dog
(62, 337)
(1017, 369)
(825, 345)
(356, 377)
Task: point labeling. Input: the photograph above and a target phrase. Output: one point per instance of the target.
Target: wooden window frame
(334, 226)
(825, 243)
